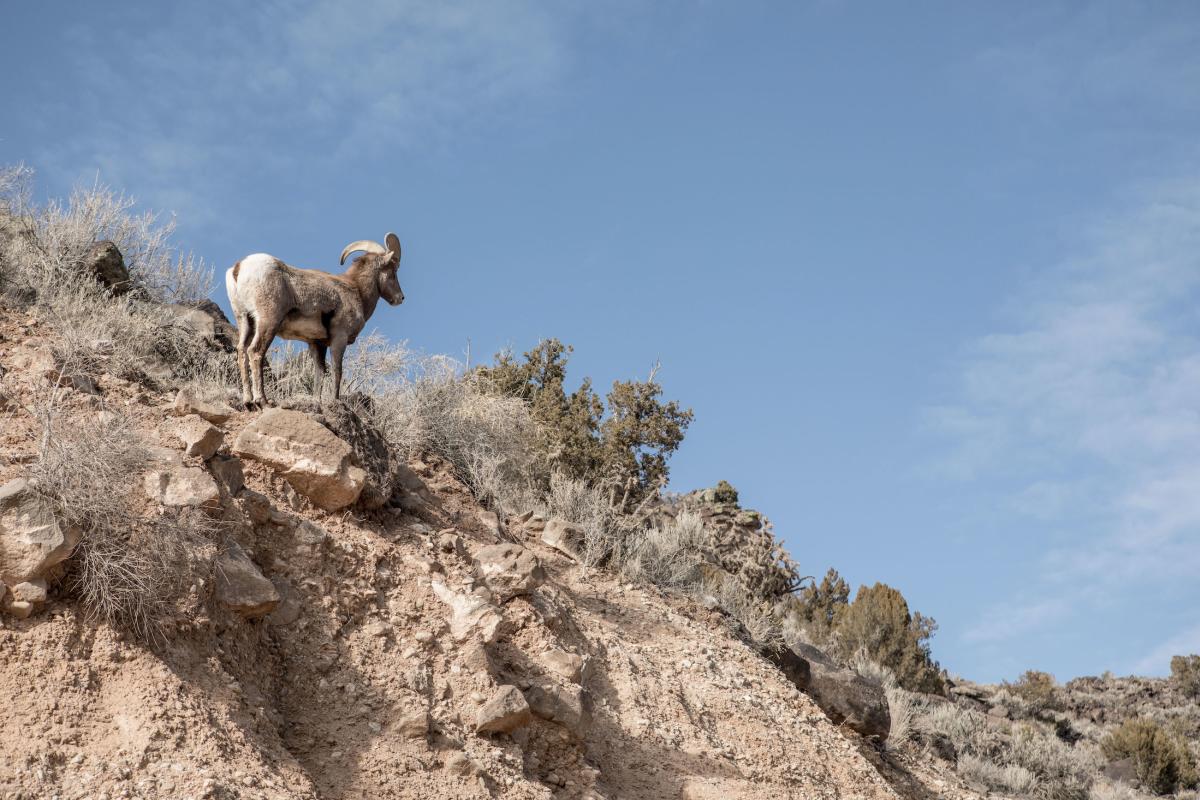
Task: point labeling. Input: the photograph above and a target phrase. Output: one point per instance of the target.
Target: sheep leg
(267, 327)
(245, 331)
(337, 348)
(317, 351)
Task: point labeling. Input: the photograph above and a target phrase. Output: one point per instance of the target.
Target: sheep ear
(392, 241)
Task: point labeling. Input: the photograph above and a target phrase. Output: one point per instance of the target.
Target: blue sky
(927, 272)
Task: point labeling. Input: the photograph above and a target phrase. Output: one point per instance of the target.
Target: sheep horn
(366, 245)
(393, 245)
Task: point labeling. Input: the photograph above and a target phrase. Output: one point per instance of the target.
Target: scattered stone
(567, 666)
(448, 541)
(172, 483)
(413, 725)
(561, 705)
(240, 585)
(457, 763)
(105, 262)
(198, 437)
(504, 713)
(564, 536)
(536, 523)
(425, 565)
(228, 472)
(289, 608)
(256, 505)
(308, 455)
(27, 598)
(508, 570)
(188, 402)
(31, 539)
(471, 616)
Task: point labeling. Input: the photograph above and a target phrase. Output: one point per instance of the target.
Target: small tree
(1038, 689)
(820, 603)
(1161, 757)
(1185, 674)
(879, 624)
(624, 450)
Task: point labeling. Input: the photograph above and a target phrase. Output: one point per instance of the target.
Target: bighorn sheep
(271, 298)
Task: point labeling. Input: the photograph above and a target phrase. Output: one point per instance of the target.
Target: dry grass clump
(124, 569)
(1019, 756)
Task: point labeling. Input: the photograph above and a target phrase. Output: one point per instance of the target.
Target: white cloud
(1159, 658)
(282, 88)
(1092, 399)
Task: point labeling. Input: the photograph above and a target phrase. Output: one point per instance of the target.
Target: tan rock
(188, 402)
(241, 587)
(563, 705)
(471, 615)
(308, 455)
(567, 666)
(506, 711)
(566, 537)
(172, 483)
(31, 538)
(414, 724)
(197, 436)
(228, 472)
(508, 570)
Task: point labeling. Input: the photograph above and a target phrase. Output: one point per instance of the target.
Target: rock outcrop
(241, 586)
(508, 570)
(308, 455)
(106, 264)
(506, 711)
(32, 541)
(845, 696)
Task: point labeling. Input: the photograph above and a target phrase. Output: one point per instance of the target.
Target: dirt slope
(355, 686)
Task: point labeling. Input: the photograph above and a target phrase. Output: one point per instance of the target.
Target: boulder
(172, 483)
(222, 333)
(563, 536)
(845, 696)
(348, 419)
(289, 608)
(31, 538)
(308, 455)
(27, 598)
(567, 666)
(241, 587)
(472, 617)
(106, 264)
(228, 472)
(197, 436)
(559, 704)
(506, 711)
(188, 402)
(508, 570)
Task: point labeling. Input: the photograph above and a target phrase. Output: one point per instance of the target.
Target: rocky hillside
(338, 627)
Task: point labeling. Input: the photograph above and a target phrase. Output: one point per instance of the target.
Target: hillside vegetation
(453, 582)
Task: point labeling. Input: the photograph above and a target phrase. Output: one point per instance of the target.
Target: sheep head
(386, 261)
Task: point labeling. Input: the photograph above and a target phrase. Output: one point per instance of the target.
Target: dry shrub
(1062, 771)
(136, 335)
(50, 242)
(1185, 675)
(902, 708)
(1009, 777)
(1038, 691)
(1160, 755)
(123, 570)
